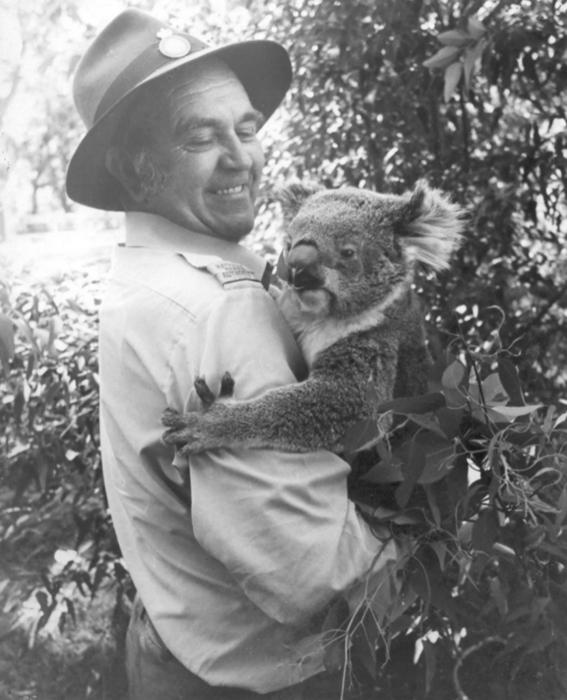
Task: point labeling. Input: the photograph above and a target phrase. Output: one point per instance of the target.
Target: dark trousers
(155, 674)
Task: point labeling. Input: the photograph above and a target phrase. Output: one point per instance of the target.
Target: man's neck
(153, 231)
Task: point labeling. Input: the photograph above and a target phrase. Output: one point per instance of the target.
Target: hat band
(136, 72)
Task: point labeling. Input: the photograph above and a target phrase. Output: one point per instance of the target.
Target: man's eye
(247, 134)
(197, 143)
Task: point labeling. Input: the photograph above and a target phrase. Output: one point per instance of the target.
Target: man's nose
(235, 155)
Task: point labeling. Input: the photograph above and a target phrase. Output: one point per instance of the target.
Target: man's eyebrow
(190, 123)
(254, 115)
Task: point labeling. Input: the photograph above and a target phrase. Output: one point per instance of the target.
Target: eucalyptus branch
(461, 695)
(466, 129)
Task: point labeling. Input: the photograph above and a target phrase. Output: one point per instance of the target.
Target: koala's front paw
(195, 432)
(187, 431)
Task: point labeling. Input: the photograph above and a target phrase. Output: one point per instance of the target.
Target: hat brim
(264, 69)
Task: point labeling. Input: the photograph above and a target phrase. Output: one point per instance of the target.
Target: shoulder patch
(227, 272)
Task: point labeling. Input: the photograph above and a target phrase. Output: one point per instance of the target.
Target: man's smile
(236, 189)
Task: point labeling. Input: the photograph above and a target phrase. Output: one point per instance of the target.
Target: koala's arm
(313, 414)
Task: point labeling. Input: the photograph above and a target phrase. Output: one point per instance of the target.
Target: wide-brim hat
(134, 50)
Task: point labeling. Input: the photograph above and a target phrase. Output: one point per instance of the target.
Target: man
(234, 554)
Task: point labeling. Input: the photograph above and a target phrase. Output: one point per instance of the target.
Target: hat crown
(116, 60)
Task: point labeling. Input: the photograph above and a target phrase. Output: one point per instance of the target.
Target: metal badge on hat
(173, 45)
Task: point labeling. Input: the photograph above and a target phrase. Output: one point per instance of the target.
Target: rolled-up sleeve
(281, 523)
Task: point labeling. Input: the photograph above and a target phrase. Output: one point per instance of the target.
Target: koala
(350, 259)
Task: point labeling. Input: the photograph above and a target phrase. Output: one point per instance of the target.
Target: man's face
(210, 154)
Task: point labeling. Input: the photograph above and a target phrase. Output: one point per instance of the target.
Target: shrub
(476, 493)
(57, 545)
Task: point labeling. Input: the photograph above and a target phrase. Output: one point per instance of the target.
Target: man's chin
(234, 230)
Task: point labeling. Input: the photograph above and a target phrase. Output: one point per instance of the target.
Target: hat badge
(172, 45)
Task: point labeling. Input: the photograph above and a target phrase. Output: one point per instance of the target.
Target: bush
(476, 493)
(57, 546)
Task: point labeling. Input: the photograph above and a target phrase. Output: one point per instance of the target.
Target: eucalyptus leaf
(453, 74)
(442, 58)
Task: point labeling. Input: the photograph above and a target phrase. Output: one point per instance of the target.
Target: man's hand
(195, 431)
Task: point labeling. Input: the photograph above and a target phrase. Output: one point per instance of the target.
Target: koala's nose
(303, 262)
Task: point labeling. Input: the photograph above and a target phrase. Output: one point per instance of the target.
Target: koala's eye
(347, 253)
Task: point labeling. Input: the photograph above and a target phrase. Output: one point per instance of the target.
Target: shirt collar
(153, 231)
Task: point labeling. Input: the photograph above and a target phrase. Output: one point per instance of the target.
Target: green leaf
(484, 531)
(412, 469)
(508, 414)
(453, 37)
(454, 375)
(442, 58)
(492, 390)
(450, 420)
(384, 473)
(43, 601)
(504, 550)
(470, 58)
(498, 595)
(364, 642)
(6, 342)
(430, 655)
(453, 75)
(451, 381)
(510, 381)
(438, 463)
(440, 549)
(428, 421)
(475, 28)
(433, 505)
(414, 404)
(389, 515)
(361, 436)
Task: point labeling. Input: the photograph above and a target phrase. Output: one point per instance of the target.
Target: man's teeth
(231, 190)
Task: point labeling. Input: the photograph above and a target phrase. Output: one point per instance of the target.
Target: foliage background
(363, 110)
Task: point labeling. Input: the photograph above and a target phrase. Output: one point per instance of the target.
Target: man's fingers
(203, 392)
(227, 385)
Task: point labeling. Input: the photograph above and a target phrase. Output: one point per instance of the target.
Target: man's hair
(134, 139)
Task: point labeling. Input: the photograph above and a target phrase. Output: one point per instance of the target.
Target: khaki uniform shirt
(232, 551)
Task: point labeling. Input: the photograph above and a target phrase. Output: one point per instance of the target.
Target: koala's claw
(227, 385)
(191, 432)
(182, 429)
(172, 419)
(204, 393)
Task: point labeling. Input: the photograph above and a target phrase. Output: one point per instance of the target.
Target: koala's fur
(352, 256)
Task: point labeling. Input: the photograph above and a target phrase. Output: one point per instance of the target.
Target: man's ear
(138, 176)
(292, 196)
(431, 226)
(120, 166)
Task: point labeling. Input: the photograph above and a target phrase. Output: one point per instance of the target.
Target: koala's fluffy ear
(432, 226)
(292, 196)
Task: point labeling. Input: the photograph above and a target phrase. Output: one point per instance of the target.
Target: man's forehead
(204, 82)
